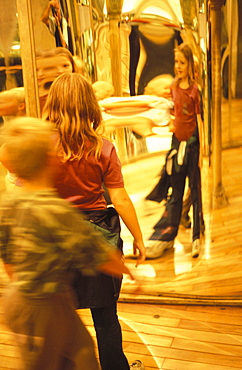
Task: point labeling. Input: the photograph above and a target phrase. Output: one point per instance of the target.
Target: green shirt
(45, 239)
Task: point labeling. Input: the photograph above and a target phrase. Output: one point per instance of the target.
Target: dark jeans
(166, 228)
(109, 338)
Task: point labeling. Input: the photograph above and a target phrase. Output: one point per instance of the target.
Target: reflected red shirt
(186, 108)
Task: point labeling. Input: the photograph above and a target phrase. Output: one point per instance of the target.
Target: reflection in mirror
(12, 100)
(149, 30)
(148, 38)
(145, 32)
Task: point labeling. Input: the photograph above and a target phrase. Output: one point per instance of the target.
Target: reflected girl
(182, 159)
(51, 64)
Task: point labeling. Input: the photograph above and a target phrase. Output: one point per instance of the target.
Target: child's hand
(139, 246)
(172, 127)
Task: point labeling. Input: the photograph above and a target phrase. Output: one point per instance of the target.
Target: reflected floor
(216, 273)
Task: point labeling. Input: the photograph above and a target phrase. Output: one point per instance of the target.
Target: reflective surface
(149, 30)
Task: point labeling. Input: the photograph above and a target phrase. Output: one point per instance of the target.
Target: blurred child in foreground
(12, 103)
(43, 240)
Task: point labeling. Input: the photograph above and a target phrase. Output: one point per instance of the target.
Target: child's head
(74, 110)
(52, 63)
(103, 90)
(159, 86)
(184, 63)
(71, 97)
(26, 144)
(12, 102)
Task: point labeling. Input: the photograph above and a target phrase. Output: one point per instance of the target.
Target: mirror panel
(149, 30)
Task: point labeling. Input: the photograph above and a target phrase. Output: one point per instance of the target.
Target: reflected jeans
(166, 228)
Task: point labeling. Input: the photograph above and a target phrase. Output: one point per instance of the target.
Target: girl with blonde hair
(182, 160)
(87, 161)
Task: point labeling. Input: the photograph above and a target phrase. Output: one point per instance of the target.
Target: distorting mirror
(127, 45)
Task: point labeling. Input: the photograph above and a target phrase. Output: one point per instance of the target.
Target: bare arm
(140, 125)
(45, 15)
(125, 209)
(63, 43)
(115, 266)
(201, 137)
(124, 104)
(9, 270)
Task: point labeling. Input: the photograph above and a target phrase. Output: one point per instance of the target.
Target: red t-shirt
(186, 108)
(81, 181)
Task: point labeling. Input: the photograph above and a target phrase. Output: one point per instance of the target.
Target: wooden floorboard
(217, 271)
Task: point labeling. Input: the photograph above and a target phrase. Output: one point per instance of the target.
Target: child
(43, 242)
(12, 103)
(87, 161)
(51, 64)
(182, 159)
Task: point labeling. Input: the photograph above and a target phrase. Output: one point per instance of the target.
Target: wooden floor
(215, 277)
(174, 337)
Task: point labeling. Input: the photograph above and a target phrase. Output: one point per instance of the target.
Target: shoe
(195, 248)
(157, 247)
(137, 364)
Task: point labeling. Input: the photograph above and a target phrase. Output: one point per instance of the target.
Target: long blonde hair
(73, 108)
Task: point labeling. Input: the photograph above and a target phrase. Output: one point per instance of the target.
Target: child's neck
(184, 84)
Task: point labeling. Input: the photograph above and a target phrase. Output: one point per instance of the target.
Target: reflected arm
(45, 15)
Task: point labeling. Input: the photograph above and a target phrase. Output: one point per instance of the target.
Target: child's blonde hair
(155, 86)
(26, 143)
(186, 50)
(73, 108)
(105, 89)
(17, 96)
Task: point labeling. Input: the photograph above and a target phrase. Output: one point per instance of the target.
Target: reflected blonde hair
(73, 108)
(26, 144)
(43, 54)
(17, 93)
(105, 87)
(186, 50)
(154, 86)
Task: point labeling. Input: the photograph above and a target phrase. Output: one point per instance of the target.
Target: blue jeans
(109, 338)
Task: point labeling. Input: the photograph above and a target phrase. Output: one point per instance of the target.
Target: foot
(195, 248)
(156, 248)
(137, 364)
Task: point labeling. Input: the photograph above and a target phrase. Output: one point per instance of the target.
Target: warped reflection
(149, 30)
